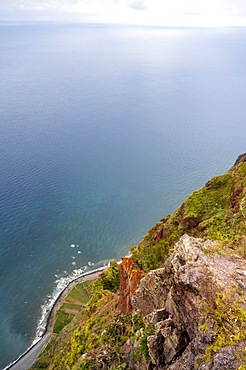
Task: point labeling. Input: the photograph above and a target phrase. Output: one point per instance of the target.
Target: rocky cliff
(178, 302)
(197, 308)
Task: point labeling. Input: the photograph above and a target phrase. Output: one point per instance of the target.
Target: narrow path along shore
(27, 359)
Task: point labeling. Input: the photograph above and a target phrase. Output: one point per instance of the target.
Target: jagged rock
(190, 313)
(155, 346)
(174, 343)
(129, 281)
(156, 316)
(240, 159)
(172, 299)
(225, 359)
(151, 293)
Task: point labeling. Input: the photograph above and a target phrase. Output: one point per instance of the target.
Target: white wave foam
(61, 284)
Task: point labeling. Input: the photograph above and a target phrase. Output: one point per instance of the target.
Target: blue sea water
(104, 131)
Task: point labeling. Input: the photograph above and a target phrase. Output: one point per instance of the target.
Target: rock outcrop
(240, 159)
(130, 278)
(179, 302)
(185, 302)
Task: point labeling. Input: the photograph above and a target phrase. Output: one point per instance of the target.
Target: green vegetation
(71, 306)
(228, 318)
(109, 279)
(217, 211)
(76, 299)
(89, 328)
(149, 330)
(85, 314)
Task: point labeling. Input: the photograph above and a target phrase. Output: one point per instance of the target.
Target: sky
(195, 13)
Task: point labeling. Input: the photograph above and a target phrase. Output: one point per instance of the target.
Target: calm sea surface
(103, 131)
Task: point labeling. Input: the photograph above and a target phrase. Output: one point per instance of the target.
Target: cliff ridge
(178, 302)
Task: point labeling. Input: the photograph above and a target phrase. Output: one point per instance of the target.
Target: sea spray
(46, 309)
(61, 284)
(50, 300)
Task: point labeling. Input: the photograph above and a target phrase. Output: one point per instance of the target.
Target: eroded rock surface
(182, 301)
(129, 281)
(179, 302)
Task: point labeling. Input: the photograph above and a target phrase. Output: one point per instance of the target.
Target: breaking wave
(61, 284)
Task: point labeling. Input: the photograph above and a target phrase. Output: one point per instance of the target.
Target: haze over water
(104, 131)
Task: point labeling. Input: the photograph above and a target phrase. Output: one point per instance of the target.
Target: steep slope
(201, 320)
(179, 301)
(216, 211)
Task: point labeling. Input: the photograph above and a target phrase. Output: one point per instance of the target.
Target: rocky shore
(28, 358)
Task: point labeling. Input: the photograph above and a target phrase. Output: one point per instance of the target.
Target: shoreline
(31, 354)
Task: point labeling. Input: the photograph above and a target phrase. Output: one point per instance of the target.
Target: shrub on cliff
(103, 338)
(216, 211)
(108, 279)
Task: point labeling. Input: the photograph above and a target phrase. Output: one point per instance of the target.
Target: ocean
(104, 131)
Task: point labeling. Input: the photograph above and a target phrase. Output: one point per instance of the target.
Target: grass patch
(228, 319)
(75, 300)
(80, 293)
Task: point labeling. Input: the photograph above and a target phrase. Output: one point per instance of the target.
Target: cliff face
(197, 308)
(129, 281)
(216, 211)
(179, 301)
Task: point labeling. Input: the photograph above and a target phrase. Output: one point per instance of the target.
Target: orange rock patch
(129, 281)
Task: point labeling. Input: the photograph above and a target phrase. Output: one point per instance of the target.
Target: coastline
(30, 355)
